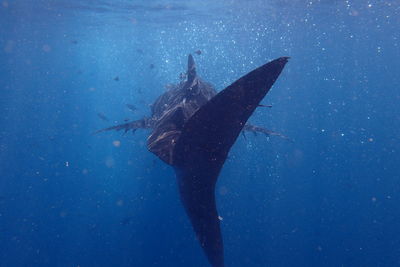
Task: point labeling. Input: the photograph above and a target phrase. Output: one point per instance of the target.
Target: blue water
(70, 198)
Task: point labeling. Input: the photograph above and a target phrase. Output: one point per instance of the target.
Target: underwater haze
(329, 196)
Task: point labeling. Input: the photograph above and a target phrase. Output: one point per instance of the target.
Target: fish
(169, 86)
(102, 116)
(265, 106)
(198, 52)
(182, 76)
(152, 66)
(116, 78)
(193, 128)
(131, 107)
(127, 220)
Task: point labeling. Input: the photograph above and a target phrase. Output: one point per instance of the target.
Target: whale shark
(193, 127)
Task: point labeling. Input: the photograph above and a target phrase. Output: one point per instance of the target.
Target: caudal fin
(203, 146)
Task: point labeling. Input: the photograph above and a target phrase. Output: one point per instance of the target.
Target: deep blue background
(71, 198)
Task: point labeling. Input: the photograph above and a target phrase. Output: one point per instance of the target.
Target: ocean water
(69, 198)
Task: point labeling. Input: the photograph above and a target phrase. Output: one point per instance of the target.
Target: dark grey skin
(193, 128)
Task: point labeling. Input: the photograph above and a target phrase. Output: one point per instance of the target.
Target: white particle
(117, 143)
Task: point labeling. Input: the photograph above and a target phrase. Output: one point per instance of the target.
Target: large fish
(193, 128)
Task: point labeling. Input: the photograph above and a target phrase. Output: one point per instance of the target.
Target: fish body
(193, 128)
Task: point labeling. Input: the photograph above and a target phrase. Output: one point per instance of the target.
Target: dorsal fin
(191, 71)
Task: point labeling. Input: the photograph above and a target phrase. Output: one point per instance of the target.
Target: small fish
(152, 66)
(198, 52)
(265, 106)
(169, 86)
(102, 116)
(126, 220)
(154, 162)
(74, 42)
(182, 76)
(116, 78)
(131, 107)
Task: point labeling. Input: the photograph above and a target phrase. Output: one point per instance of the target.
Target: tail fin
(203, 146)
